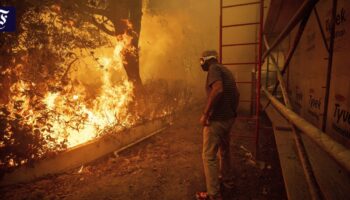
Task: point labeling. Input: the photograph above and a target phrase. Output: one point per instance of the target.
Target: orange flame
(74, 119)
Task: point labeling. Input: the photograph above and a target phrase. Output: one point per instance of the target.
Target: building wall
(308, 71)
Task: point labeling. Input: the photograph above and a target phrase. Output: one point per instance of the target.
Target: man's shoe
(227, 183)
(205, 196)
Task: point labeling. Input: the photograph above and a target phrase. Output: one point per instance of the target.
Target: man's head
(208, 57)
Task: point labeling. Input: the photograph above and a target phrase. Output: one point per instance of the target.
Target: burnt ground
(166, 166)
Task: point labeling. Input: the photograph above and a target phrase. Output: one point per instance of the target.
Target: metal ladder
(255, 81)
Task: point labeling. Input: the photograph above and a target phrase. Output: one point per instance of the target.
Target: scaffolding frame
(337, 151)
(307, 7)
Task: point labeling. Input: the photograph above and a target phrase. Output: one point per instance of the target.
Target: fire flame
(69, 116)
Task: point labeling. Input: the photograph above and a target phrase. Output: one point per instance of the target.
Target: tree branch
(102, 26)
(87, 9)
(88, 12)
(67, 70)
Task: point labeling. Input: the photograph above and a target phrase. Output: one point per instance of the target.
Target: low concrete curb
(87, 152)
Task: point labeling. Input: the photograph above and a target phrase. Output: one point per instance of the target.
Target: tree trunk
(134, 12)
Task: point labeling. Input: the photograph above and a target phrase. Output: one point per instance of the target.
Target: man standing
(217, 119)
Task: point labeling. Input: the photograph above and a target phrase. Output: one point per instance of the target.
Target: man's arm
(214, 95)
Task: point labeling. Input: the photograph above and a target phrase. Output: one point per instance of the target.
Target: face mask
(204, 62)
(205, 66)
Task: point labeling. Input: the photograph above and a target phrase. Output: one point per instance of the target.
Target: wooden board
(332, 179)
(293, 174)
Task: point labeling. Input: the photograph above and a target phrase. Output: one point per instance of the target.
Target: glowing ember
(75, 97)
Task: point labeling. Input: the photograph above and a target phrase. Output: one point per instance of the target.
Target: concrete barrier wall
(308, 71)
(86, 153)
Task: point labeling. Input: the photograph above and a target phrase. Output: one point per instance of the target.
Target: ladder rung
(242, 4)
(234, 134)
(244, 82)
(246, 101)
(243, 24)
(240, 44)
(245, 118)
(272, 71)
(246, 63)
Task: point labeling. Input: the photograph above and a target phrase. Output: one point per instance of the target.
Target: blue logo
(7, 19)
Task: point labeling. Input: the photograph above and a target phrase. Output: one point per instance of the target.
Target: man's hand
(204, 121)
(215, 94)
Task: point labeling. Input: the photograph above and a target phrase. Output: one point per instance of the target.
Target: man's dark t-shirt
(225, 107)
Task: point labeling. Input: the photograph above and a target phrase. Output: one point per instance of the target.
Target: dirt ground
(166, 166)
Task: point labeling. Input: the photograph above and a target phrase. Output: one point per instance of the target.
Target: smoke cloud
(173, 35)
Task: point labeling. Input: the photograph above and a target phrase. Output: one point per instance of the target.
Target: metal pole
(337, 151)
(267, 71)
(305, 8)
(279, 75)
(242, 4)
(330, 63)
(314, 188)
(297, 39)
(253, 94)
(285, 57)
(220, 36)
(321, 29)
(304, 159)
(293, 48)
(258, 85)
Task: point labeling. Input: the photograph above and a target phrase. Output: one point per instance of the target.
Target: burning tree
(44, 106)
(113, 17)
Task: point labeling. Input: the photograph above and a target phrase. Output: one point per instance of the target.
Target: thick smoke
(173, 35)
